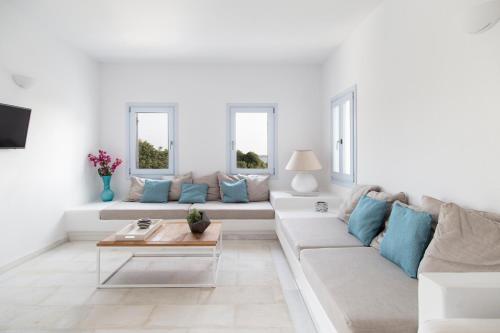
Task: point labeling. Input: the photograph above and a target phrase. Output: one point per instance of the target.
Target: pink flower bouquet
(103, 163)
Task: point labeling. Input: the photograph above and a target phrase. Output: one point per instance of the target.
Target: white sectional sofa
(350, 288)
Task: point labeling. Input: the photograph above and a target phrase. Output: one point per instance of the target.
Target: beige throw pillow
(389, 198)
(175, 188)
(257, 187)
(432, 206)
(212, 181)
(136, 189)
(350, 203)
(465, 241)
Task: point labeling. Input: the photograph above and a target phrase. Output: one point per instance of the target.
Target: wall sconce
(482, 17)
(22, 81)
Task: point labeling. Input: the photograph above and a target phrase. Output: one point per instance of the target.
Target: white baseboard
(32, 255)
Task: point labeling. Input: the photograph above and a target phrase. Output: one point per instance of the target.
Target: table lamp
(304, 161)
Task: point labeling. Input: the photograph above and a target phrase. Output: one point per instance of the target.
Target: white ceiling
(201, 30)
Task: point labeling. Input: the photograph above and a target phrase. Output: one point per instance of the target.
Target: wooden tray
(133, 233)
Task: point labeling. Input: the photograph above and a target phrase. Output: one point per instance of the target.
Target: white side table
(458, 295)
(288, 206)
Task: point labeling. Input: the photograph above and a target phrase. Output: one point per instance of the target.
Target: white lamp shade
(303, 160)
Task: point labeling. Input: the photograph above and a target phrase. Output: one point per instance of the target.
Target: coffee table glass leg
(98, 266)
(214, 265)
(219, 244)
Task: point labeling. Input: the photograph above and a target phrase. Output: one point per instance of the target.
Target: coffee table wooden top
(170, 233)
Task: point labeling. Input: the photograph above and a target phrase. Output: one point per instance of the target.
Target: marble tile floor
(55, 292)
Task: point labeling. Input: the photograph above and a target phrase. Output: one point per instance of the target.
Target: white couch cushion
(237, 211)
(316, 233)
(361, 291)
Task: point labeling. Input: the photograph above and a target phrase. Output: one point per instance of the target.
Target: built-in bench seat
(174, 210)
(316, 233)
(93, 221)
(237, 211)
(123, 210)
(361, 291)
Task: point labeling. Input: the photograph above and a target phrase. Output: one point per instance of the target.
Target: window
(251, 139)
(152, 150)
(343, 137)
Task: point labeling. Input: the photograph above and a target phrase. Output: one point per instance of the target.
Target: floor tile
(24, 295)
(143, 330)
(205, 316)
(238, 295)
(107, 296)
(117, 316)
(256, 278)
(176, 296)
(238, 330)
(44, 317)
(69, 296)
(262, 315)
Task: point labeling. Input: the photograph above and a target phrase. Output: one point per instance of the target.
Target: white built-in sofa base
(320, 318)
(97, 220)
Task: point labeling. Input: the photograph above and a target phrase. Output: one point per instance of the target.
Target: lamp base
(304, 183)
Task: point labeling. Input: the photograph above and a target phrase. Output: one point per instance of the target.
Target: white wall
(202, 93)
(38, 183)
(428, 102)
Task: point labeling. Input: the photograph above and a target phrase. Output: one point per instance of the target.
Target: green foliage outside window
(151, 157)
(249, 160)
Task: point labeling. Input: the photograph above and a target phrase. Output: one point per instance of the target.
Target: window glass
(346, 138)
(336, 139)
(251, 140)
(251, 135)
(343, 134)
(152, 140)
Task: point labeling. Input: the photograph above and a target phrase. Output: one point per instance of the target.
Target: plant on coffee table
(198, 221)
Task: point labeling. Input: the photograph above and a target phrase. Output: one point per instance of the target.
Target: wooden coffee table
(173, 239)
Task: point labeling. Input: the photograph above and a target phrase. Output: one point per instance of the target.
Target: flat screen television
(14, 121)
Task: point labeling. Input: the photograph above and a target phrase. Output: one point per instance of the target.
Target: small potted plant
(198, 221)
(105, 169)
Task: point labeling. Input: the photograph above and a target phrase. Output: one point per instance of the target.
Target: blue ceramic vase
(107, 194)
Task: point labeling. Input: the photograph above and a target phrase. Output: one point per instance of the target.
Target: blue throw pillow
(235, 191)
(156, 190)
(367, 219)
(407, 237)
(193, 193)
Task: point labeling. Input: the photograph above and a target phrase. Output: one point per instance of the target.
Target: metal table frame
(215, 254)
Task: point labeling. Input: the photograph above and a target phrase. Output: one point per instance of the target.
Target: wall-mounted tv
(14, 121)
